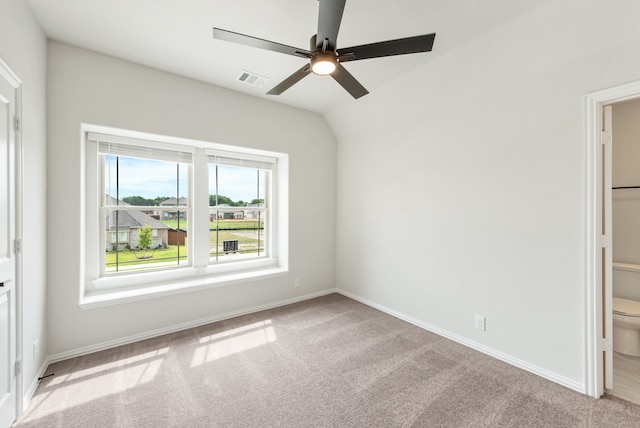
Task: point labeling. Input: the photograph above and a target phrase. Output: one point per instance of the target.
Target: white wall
(23, 48)
(86, 87)
(461, 185)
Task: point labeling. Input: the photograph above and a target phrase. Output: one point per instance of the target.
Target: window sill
(189, 283)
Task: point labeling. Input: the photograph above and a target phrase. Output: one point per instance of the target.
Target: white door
(607, 248)
(7, 250)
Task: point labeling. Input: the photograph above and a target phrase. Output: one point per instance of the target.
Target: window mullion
(269, 221)
(200, 210)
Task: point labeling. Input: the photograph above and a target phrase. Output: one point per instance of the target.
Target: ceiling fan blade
(291, 80)
(347, 81)
(329, 18)
(404, 46)
(243, 39)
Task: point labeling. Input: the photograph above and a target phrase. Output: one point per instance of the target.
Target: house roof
(110, 200)
(172, 202)
(133, 220)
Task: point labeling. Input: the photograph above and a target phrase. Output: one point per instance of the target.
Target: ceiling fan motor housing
(323, 59)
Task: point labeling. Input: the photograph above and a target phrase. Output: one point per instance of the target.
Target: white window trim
(96, 291)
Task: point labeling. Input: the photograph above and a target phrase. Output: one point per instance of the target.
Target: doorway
(599, 360)
(10, 309)
(625, 245)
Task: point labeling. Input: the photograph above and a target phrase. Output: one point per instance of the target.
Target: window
(119, 237)
(137, 181)
(170, 214)
(237, 227)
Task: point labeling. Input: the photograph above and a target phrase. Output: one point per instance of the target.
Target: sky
(152, 178)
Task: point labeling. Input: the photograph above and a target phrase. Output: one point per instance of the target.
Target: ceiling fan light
(323, 64)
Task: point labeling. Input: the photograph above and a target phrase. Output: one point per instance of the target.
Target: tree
(257, 201)
(144, 238)
(138, 201)
(221, 200)
(159, 199)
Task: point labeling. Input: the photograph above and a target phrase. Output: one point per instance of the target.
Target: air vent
(252, 79)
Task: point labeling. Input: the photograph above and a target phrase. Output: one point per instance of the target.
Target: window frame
(98, 289)
(263, 163)
(113, 145)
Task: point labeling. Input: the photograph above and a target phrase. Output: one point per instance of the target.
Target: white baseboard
(28, 395)
(178, 327)
(539, 371)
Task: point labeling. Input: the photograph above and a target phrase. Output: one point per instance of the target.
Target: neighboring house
(226, 214)
(173, 202)
(128, 225)
(253, 213)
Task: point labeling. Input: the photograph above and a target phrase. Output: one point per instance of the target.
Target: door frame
(594, 287)
(7, 73)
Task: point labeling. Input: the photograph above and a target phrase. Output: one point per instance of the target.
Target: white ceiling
(176, 36)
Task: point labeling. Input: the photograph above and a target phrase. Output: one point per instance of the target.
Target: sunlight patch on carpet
(78, 388)
(233, 341)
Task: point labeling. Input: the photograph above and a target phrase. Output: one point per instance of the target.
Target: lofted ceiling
(176, 36)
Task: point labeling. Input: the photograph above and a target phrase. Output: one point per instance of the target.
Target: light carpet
(325, 362)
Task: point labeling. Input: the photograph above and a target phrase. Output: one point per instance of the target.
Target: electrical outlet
(296, 283)
(481, 322)
(35, 350)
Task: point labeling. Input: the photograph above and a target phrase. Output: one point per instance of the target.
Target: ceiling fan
(325, 58)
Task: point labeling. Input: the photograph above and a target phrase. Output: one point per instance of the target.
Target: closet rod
(626, 187)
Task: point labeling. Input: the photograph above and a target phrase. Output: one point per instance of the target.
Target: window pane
(236, 237)
(235, 186)
(237, 214)
(162, 186)
(163, 247)
(145, 182)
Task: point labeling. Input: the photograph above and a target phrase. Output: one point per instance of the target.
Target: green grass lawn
(173, 224)
(249, 241)
(129, 258)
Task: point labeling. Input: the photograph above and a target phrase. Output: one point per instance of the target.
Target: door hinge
(17, 125)
(18, 245)
(18, 367)
(607, 346)
(605, 137)
(605, 241)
